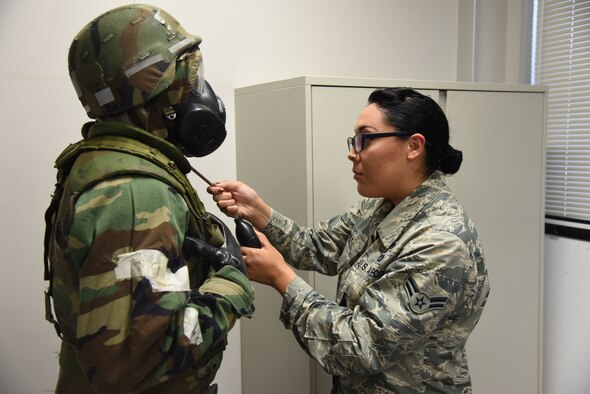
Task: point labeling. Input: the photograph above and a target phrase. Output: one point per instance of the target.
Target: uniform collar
(395, 223)
(115, 128)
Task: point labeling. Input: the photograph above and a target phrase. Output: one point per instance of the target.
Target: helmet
(132, 54)
(127, 56)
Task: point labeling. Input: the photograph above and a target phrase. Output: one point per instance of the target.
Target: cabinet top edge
(309, 80)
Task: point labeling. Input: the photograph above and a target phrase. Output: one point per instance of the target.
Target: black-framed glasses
(358, 141)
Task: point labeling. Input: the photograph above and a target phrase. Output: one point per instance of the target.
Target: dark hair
(407, 110)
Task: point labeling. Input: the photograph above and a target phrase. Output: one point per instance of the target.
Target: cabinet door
(272, 157)
(500, 185)
(334, 113)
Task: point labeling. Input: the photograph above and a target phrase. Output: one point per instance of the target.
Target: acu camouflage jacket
(412, 286)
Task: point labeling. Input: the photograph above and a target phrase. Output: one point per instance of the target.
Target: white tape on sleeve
(152, 265)
(192, 329)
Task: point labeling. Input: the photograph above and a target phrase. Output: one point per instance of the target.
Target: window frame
(553, 60)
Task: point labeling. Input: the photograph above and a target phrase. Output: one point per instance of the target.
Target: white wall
(567, 323)
(244, 43)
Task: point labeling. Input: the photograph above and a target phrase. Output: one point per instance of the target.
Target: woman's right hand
(238, 200)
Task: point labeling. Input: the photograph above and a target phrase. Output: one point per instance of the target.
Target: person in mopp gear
(412, 276)
(139, 308)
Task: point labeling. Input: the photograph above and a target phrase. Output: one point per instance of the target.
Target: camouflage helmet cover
(127, 56)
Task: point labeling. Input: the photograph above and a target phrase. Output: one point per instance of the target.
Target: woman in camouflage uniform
(412, 276)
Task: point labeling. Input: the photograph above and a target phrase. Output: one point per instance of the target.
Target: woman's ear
(416, 146)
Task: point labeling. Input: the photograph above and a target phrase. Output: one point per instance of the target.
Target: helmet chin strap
(168, 115)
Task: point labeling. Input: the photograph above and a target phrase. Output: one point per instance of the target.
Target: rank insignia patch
(420, 302)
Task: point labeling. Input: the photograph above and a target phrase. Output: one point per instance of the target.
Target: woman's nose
(352, 155)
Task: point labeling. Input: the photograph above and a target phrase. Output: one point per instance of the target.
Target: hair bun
(450, 160)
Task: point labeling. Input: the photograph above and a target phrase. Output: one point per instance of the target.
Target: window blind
(562, 63)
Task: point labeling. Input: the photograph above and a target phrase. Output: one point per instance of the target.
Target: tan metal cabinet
(291, 147)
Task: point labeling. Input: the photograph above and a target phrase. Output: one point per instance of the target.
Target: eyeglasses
(358, 141)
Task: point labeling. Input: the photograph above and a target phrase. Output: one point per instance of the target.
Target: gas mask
(199, 126)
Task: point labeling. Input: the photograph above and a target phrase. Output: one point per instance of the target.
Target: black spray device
(244, 231)
(246, 235)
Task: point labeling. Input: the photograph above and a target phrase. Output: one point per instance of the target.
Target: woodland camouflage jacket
(135, 313)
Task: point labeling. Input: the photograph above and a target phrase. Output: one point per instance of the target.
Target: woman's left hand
(267, 266)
